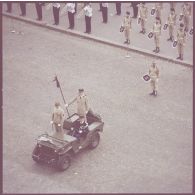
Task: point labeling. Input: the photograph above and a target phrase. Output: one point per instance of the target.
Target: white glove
(59, 125)
(51, 122)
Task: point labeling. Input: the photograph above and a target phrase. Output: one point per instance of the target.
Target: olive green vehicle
(58, 149)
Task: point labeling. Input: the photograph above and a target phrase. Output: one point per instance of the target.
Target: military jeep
(58, 149)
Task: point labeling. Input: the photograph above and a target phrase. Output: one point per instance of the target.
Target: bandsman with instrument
(154, 76)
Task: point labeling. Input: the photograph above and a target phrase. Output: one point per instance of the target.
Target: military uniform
(142, 15)
(58, 118)
(180, 42)
(38, 6)
(157, 33)
(171, 24)
(158, 8)
(71, 11)
(186, 12)
(82, 105)
(88, 14)
(56, 11)
(23, 8)
(127, 26)
(154, 76)
(105, 12)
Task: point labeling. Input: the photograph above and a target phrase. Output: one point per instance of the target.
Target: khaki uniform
(127, 26)
(142, 14)
(154, 75)
(158, 8)
(82, 105)
(186, 11)
(157, 33)
(180, 41)
(58, 118)
(171, 23)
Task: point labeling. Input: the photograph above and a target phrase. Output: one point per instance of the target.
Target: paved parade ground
(146, 145)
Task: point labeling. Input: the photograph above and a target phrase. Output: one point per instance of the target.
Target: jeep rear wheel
(64, 162)
(94, 140)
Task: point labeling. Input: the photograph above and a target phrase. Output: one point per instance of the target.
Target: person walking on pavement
(118, 8)
(171, 24)
(181, 35)
(58, 117)
(82, 104)
(157, 33)
(142, 16)
(56, 11)
(126, 24)
(154, 77)
(105, 12)
(38, 6)
(88, 14)
(135, 8)
(23, 8)
(9, 7)
(186, 13)
(71, 12)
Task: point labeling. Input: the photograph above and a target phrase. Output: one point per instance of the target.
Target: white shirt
(88, 10)
(70, 7)
(104, 4)
(56, 5)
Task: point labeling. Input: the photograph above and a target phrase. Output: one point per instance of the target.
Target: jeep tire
(95, 139)
(64, 162)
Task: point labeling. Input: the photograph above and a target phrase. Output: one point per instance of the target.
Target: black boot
(179, 57)
(157, 50)
(169, 39)
(152, 93)
(126, 41)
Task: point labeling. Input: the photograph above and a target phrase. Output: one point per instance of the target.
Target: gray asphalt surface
(110, 31)
(146, 146)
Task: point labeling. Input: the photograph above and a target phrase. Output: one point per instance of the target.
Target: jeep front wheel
(94, 140)
(64, 162)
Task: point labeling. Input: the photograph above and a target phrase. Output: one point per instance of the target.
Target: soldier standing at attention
(118, 8)
(181, 41)
(154, 76)
(88, 15)
(158, 9)
(23, 9)
(127, 26)
(105, 12)
(142, 16)
(186, 12)
(56, 11)
(38, 6)
(157, 33)
(82, 104)
(171, 24)
(71, 12)
(58, 117)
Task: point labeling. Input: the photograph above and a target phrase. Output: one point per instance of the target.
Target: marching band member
(186, 13)
(88, 14)
(71, 8)
(56, 11)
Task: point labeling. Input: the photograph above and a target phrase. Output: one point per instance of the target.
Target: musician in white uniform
(71, 12)
(88, 14)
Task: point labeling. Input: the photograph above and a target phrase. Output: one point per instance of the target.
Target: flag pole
(58, 86)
